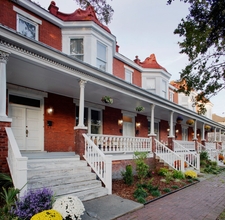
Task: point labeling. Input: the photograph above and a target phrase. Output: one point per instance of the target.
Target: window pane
(76, 48)
(128, 76)
(101, 65)
(27, 29)
(95, 122)
(101, 52)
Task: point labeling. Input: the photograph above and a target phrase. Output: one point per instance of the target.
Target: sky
(145, 27)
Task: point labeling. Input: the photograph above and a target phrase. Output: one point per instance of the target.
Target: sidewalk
(202, 201)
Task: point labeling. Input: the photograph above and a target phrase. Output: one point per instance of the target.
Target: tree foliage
(103, 10)
(203, 32)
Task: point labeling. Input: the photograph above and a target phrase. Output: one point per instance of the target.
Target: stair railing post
(182, 162)
(21, 176)
(109, 173)
(198, 161)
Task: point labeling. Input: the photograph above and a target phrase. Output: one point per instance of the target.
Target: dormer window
(151, 85)
(27, 24)
(77, 48)
(101, 56)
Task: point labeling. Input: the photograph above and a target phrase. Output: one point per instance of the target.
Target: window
(151, 85)
(164, 89)
(27, 27)
(128, 74)
(171, 95)
(76, 48)
(95, 122)
(101, 56)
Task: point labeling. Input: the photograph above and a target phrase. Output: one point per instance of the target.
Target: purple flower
(33, 202)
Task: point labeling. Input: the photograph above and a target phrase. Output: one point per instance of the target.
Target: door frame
(33, 94)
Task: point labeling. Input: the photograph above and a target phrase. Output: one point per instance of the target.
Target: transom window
(27, 27)
(101, 56)
(77, 48)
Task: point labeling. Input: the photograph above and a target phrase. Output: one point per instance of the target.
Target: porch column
(219, 143)
(195, 139)
(80, 129)
(152, 133)
(215, 134)
(203, 134)
(4, 120)
(171, 134)
(3, 60)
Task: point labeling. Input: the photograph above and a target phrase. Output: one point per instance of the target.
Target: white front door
(26, 126)
(128, 129)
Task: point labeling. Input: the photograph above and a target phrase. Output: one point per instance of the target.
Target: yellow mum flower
(190, 174)
(47, 215)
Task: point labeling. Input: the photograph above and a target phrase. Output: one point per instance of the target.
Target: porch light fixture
(138, 124)
(50, 110)
(177, 131)
(168, 129)
(120, 122)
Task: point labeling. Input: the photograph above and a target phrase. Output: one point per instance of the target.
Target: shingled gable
(150, 62)
(77, 15)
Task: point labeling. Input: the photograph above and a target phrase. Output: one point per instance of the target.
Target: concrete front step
(64, 176)
(91, 193)
(51, 181)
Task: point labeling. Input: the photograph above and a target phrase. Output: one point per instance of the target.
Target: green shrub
(155, 193)
(163, 171)
(169, 177)
(141, 200)
(140, 192)
(204, 155)
(128, 175)
(175, 187)
(141, 167)
(167, 190)
(177, 174)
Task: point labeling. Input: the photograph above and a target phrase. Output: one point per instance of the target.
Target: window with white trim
(151, 85)
(171, 94)
(164, 89)
(27, 27)
(128, 74)
(77, 48)
(101, 56)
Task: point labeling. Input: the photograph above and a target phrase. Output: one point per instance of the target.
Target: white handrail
(170, 157)
(17, 163)
(191, 158)
(99, 162)
(118, 144)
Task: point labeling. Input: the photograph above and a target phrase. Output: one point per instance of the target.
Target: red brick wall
(60, 136)
(119, 71)
(4, 147)
(48, 33)
(120, 165)
(143, 129)
(110, 121)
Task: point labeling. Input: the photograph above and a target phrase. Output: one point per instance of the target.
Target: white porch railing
(189, 145)
(17, 163)
(99, 162)
(210, 148)
(170, 157)
(190, 157)
(120, 144)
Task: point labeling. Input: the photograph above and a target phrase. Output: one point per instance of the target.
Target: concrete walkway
(204, 200)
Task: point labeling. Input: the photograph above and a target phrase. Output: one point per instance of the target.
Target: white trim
(89, 104)
(25, 14)
(128, 68)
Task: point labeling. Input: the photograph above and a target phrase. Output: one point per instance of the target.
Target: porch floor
(32, 155)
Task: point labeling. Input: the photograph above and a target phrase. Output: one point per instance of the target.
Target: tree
(103, 10)
(203, 32)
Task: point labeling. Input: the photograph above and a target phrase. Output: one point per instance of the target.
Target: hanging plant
(190, 122)
(179, 119)
(107, 99)
(140, 108)
(207, 127)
